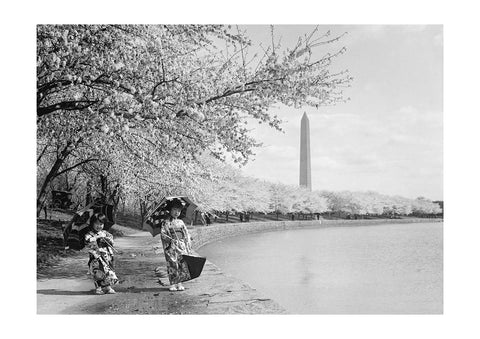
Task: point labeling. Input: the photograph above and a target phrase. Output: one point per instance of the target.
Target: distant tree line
(228, 191)
(244, 194)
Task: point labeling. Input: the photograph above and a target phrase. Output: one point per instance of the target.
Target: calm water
(388, 269)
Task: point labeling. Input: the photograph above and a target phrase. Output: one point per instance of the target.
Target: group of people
(175, 239)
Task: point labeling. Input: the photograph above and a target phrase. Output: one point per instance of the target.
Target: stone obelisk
(305, 168)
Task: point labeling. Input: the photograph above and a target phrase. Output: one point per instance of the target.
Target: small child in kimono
(100, 245)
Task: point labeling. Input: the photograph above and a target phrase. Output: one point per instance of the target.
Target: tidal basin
(381, 269)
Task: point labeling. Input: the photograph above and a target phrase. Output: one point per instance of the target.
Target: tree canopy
(145, 102)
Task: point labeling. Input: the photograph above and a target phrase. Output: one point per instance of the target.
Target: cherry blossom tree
(167, 92)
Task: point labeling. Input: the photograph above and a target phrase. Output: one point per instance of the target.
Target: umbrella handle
(105, 263)
(113, 248)
(166, 236)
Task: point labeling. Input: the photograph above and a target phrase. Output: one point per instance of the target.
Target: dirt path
(66, 289)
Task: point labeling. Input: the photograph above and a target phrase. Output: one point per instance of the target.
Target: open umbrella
(78, 227)
(74, 236)
(106, 209)
(88, 211)
(160, 211)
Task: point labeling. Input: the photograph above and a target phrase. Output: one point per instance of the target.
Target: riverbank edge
(203, 235)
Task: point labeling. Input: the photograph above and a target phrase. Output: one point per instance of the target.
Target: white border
(461, 167)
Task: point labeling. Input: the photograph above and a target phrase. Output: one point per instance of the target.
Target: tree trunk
(143, 212)
(67, 184)
(42, 195)
(88, 196)
(104, 188)
(116, 197)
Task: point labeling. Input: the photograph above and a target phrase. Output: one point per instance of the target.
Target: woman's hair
(98, 217)
(175, 203)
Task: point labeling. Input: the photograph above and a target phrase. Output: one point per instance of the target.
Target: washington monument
(305, 168)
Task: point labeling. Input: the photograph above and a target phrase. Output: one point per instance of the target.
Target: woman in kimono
(100, 249)
(175, 241)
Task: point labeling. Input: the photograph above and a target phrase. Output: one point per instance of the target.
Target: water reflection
(305, 272)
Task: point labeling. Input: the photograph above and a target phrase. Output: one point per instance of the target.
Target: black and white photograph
(277, 175)
(228, 169)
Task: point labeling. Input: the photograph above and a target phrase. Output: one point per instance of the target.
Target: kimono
(100, 249)
(175, 241)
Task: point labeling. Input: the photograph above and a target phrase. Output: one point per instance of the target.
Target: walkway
(66, 289)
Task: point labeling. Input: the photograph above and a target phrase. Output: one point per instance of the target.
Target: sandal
(173, 288)
(99, 291)
(180, 287)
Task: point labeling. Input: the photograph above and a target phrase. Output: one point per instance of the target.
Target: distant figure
(207, 218)
(241, 217)
(202, 218)
(293, 216)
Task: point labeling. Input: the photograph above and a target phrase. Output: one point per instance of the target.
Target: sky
(388, 137)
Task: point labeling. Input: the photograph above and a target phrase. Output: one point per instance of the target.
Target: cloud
(325, 162)
(407, 110)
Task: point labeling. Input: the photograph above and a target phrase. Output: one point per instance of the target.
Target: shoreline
(203, 235)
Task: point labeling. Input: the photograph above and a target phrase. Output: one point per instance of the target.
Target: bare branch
(243, 58)
(74, 166)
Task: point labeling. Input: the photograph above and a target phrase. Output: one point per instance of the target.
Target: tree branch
(161, 83)
(74, 166)
(65, 105)
(52, 84)
(41, 154)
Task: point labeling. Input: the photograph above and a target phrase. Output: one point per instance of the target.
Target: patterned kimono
(100, 248)
(175, 242)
